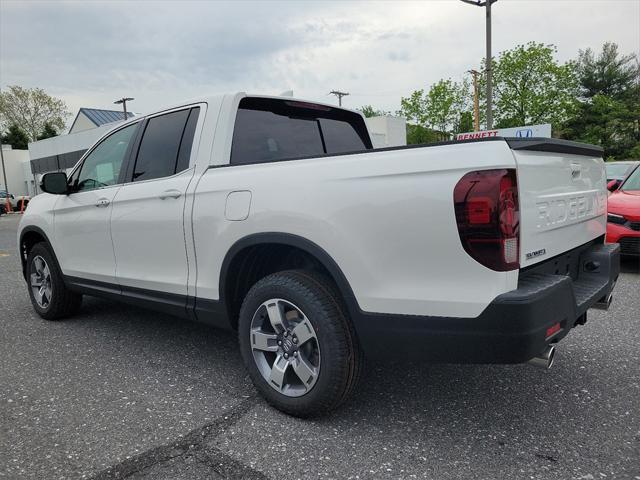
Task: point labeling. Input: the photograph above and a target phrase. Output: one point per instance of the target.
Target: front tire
(298, 344)
(49, 295)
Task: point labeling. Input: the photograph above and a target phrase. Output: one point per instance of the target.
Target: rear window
(268, 130)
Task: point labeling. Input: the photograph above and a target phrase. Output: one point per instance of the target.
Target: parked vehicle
(15, 202)
(623, 219)
(618, 171)
(275, 217)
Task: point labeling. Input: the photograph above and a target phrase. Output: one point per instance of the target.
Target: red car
(623, 219)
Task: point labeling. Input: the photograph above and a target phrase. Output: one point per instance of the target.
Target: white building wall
(387, 131)
(67, 143)
(19, 178)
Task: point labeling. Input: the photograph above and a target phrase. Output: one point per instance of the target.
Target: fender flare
(292, 240)
(39, 231)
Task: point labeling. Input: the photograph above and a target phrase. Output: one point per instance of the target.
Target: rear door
(147, 222)
(563, 196)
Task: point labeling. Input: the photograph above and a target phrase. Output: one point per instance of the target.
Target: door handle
(170, 194)
(103, 202)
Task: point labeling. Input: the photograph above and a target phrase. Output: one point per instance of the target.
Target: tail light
(488, 217)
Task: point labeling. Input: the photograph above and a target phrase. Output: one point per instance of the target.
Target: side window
(268, 130)
(102, 166)
(165, 147)
(187, 140)
(340, 136)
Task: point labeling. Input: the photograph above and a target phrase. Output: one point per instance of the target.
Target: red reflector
(555, 328)
(479, 211)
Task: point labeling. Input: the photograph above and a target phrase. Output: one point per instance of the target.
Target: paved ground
(118, 392)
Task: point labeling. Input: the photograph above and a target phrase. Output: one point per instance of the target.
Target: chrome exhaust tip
(545, 359)
(604, 303)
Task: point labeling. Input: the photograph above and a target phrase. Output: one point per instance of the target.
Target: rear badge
(537, 253)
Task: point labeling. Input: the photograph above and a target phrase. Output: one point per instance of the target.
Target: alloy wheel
(41, 282)
(285, 347)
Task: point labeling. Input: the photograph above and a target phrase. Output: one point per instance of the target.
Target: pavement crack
(194, 444)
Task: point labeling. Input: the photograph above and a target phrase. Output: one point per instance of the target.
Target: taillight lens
(488, 217)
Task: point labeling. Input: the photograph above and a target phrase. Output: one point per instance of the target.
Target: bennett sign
(519, 132)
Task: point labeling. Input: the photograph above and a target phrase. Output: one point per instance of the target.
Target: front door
(81, 219)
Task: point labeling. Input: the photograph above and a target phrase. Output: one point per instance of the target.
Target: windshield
(617, 171)
(633, 182)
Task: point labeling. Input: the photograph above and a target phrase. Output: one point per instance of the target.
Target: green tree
(16, 137)
(370, 111)
(531, 87)
(417, 134)
(414, 108)
(31, 109)
(608, 73)
(446, 101)
(440, 109)
(609, 110)
(465, 123)
(48, 132)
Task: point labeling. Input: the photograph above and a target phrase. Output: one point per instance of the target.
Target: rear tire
(50, 297)
(308, 362)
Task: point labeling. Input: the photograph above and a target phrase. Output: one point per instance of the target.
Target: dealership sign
(518, 132)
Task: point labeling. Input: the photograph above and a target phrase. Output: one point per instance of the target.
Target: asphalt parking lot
(119, 392)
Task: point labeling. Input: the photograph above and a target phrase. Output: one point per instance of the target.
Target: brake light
(488, 217)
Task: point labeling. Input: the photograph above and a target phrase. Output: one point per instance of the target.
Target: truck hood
(626, 203)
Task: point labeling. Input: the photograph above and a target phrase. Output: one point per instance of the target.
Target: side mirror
(613, 185)
(55, 183)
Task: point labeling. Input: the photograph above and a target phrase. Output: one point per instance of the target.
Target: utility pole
(487, 4)
(338, 94)
(4, 173)
(124, 101)
(476, 101)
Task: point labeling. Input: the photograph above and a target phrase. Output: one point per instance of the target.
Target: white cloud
(162, 52)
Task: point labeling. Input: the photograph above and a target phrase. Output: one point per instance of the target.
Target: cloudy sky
(92, 52)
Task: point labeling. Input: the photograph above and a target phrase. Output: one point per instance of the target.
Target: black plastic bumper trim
(512, 329)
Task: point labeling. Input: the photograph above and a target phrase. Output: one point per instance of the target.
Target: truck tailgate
(563, 196)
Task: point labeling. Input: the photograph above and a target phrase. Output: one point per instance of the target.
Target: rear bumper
(512, 329)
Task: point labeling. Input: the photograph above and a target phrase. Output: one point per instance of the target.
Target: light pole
(487, 5)
(124, 101)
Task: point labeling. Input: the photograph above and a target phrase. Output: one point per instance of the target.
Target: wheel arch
(234, 266)
(29, 236)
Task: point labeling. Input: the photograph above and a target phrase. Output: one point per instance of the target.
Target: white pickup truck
(275, 217)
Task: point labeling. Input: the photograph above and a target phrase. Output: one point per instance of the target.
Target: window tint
(340, 136)
(265, 136)
(269, 130)
(102, 166)
(158, 151)
(187, 140)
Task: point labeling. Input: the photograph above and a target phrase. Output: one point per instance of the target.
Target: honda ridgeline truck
(276, 218)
